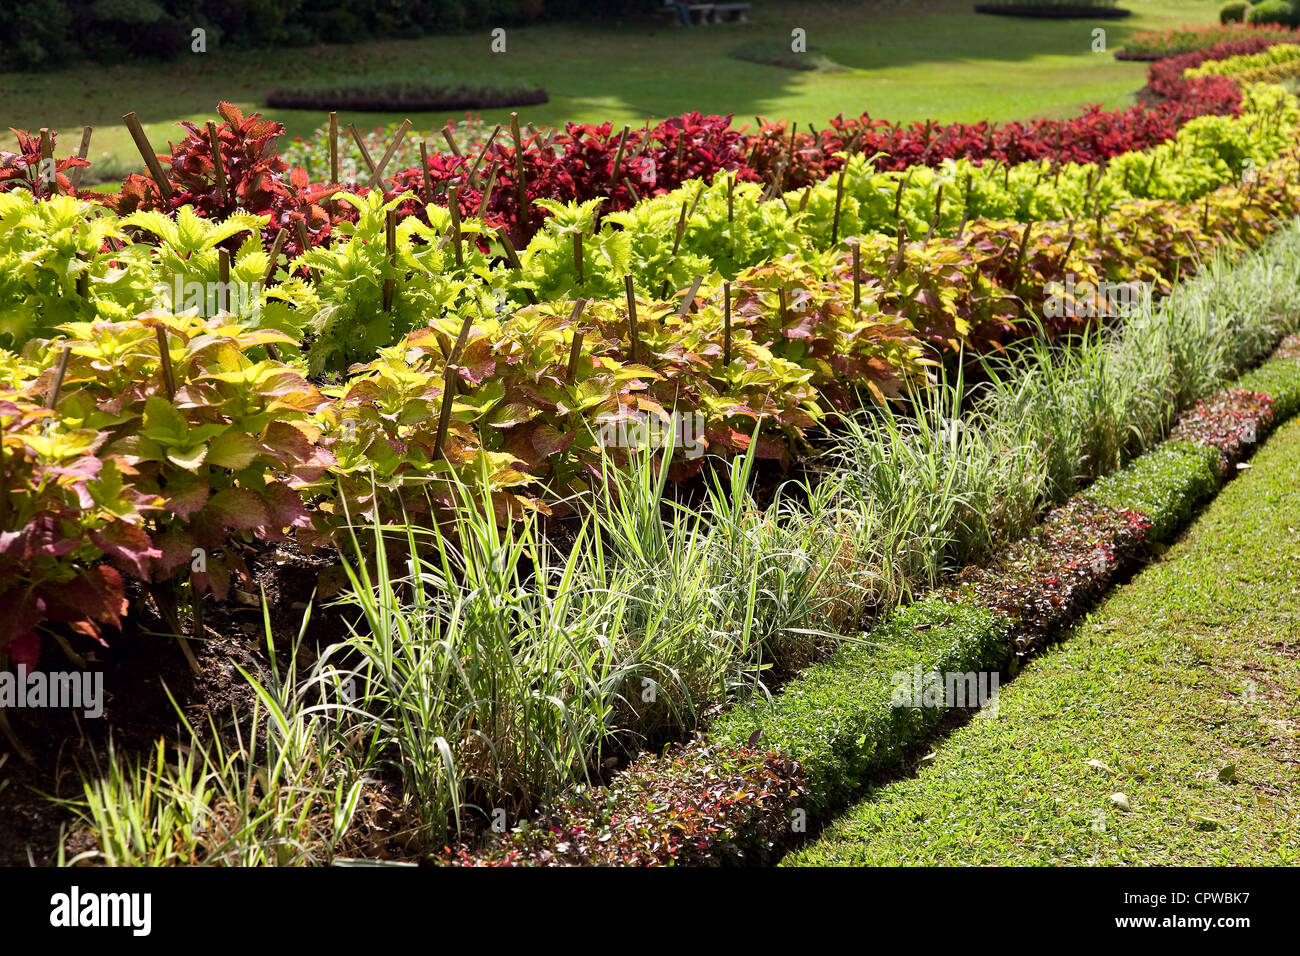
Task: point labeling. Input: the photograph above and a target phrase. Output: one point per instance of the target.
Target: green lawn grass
(1181, 692)
(906, 59)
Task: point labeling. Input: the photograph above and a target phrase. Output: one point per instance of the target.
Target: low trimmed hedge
(837, 719)
(1167, 485)
(837, 724)
(1279, 379)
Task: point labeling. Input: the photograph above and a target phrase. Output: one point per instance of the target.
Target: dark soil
(140, 666)
(1081, 11)
(397, 99)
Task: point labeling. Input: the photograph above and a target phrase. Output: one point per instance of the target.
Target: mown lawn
(1182, 692)
(906, 60)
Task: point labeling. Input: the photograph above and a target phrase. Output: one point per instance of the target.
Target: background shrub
(1272, 11)
(1166, 485)
(837, 719)
(40, 34)
(1234, 11)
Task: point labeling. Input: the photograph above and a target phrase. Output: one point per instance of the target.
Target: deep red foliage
(1093, 136)
(698, 804)
(1231, 421)
(1165, 77)
(1050, 576)
(255, 179)
(23, 169)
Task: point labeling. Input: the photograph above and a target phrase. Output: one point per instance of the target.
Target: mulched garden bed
(387, 99)
(1053, 12)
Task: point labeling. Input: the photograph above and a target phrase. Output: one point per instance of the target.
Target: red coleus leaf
(97, 594)
(238, 509)
(128, 546)
(176, 548)
(284, 507)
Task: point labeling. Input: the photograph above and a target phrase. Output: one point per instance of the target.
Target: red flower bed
(1165, 77)
(1231, 421)
(253, 180)
(585, 161)
(696, 805)
(1049, 577)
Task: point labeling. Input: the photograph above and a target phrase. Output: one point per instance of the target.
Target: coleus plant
(253, 179)
(27, 170)
(221, 439)
(368, 294)
(187, 270)
(66, 508)
(63, 259)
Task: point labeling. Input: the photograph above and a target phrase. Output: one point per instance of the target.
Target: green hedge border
(837, 720)
(837, 725)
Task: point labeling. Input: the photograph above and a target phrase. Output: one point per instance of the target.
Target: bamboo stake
(218, 169)
(304, 242)
(365, 154)
(513, 258)
(575, 350)
(334, 148)
(424, 171)
(726, 323)
(839, 198)
(1069, 246)
(165, 361)
(1020, 255)
(150, 158)
(897, 264)
(276, 248)
(487, 143)
(453, 206)
(898, 196)
(451, 140)
(47, 161)
(965, 212)
(857, 278)
(58, 377)
(938, 209)
(521, 188)
(689, 301)
(680, 231)
(461, 338)
(74, 175)
(699, 194)
(398, 137)
(449, 377)
(633, 333)
(486, 195)
(390, 242)
(577, 255)
(618, 157)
